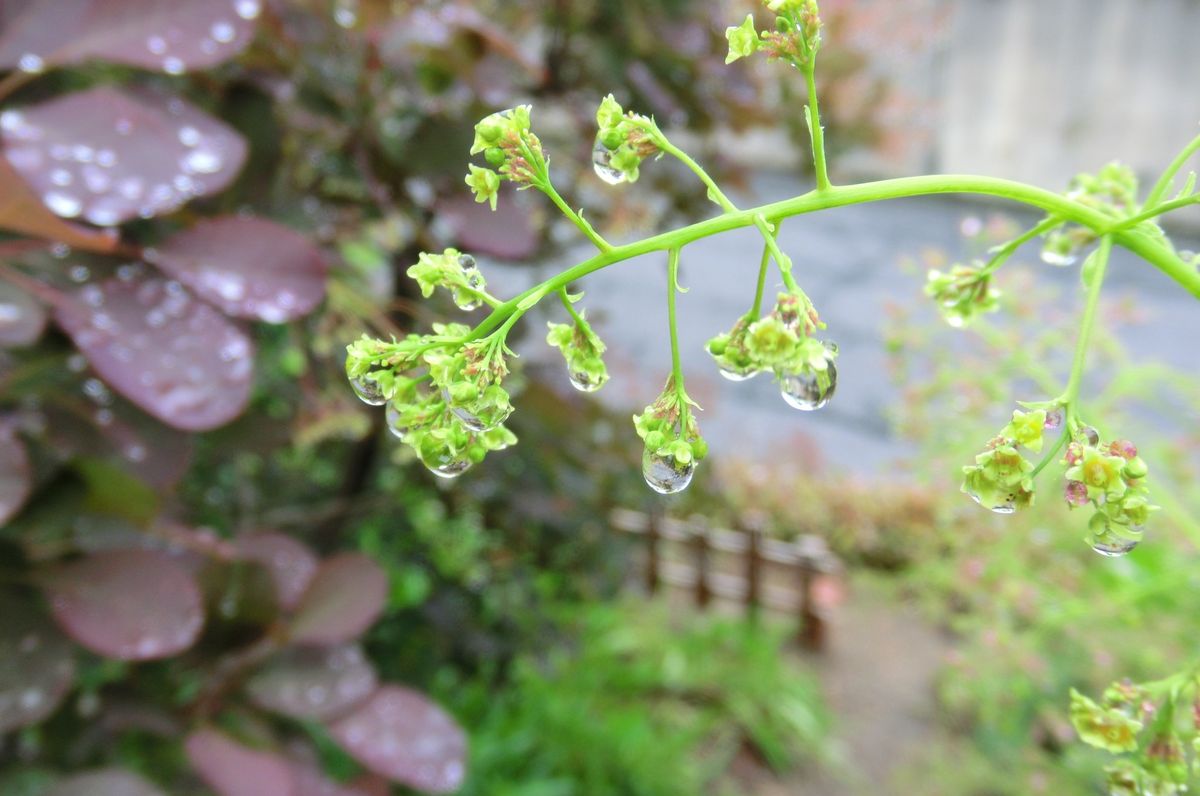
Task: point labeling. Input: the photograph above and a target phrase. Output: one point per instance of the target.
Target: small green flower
(743, 40)
(1027, 428)
(485, 183)
(770, 342)
(1100, 473)
(609, 114)
(1104, 728)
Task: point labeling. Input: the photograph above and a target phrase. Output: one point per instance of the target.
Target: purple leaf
(249, 267)
(507, 232)
(175, 357)
(37, 666)
(108, 156)
(403, 736)
(345, 598)
(126, 604)
(104, 782)
(15, 478)
(232, 769)
(311, 683)
(22, 317)
(172, 37)
(21, 210)
(291, 563)
(311, 782)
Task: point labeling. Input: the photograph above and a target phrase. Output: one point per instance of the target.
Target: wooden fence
(741, 566)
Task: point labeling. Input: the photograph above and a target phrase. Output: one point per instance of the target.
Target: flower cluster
(455, 272)
(1159, 764)
(1112, 191)
(1112, 479)
(512, 151)
(623, 141)
(962, 294)
(781, 342)
(1001, 479)
(583, 351)
(673, 445)
(796, 37)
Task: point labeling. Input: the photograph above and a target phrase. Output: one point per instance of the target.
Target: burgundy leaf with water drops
(345, 598)
(108, 156)
(402, 735)
(15, 477)
(291, 563)
(249, 267)
(173, 37)
(233, 769)
(37, 665)
(21, 210)
(104, 782)
(314, 683)
(22, 317)
(175, 357)
(130, 605)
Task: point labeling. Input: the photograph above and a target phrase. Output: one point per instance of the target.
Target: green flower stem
(814, 124)
(1070, 396)
(762, 278)
(1051, 454)
(714, 192)
(1002, 254)
(570, 307)
(1164, 182)
(1139, 243)
(1157, 210)
(676, 367)
(547, 188)
(782, 260)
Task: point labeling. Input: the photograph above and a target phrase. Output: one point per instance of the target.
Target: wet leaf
(22, 317)
(104, 782)
(313, 683)
(126, 604)
(173, 37)
(37, 665)
(175, 357)
(15, 477)
(22, 211)
(507, 232)
(311, 782)
(108, 156)
(249, 267)
(345, 598)
(232, 769)
(400, 734)
(291, 563)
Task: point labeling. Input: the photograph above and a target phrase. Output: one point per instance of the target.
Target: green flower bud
(1135, 469)
(1103, 728)
(743, 40)
(485, 183)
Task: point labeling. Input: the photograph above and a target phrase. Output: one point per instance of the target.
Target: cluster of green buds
(623, 141)
(454, 271)
(512, 151)
(583, 350)
(673, 445)
(1111, 478)
(1001, 480)
(795, 38)
(1112, 191)
(963, 293)
(781, 342)
(1127, 721)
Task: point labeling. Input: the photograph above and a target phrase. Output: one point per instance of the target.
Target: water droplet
(31, 64)
(157, 45)
(1113, 546)
(62, 204)
(60, 251)
(11, 121)
(79, 273)
(102, 216)
(247, 9)
(664, 474)
(733, 373)
(1058, 258)
(61, 177)
(106, 158)
(1054, 420)
(201, 161)
(174, 66)
(368, 390)
(345, 13)
(602, 164)
(1091, 435)
(1076, 493)
(466, 262)
(189, 136)
(395, 423)
(809, 390)
(449, 465)
(1003, 508)
(467, 304)
(31, 699)
(583, 381)
(223, 31)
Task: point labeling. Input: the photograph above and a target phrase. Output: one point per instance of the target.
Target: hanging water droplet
(367, 390)
(449, 465)
(602, 164)
(1091, 435)
(734, 373)
(31, 63)
(1061, 259)
(583, 381)
(394, 421)
(1054, 420)
(1113, 546)
(664, 474)
(1003, 508)
(809, 390)
(466, 262)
